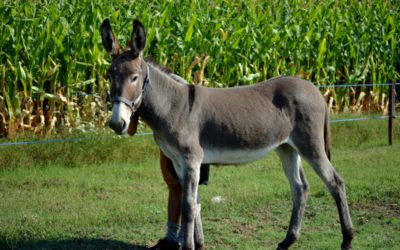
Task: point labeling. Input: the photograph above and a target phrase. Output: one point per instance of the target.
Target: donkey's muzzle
(119, 127)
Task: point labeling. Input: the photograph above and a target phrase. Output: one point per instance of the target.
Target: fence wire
(356, 85)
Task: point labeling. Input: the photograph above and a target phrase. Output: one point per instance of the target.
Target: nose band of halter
(134, 105)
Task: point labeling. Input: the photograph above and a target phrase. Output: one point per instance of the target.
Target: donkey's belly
(235, 156)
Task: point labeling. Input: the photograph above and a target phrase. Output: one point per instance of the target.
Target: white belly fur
(224, 156)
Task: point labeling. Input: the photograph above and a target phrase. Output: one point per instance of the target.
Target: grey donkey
(194, 125)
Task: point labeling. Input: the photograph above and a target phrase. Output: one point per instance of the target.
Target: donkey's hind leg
(299, 187)
(323, 167)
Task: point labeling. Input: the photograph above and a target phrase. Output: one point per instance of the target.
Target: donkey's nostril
(123, 124)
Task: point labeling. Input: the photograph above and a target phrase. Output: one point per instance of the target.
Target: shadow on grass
(86, 244)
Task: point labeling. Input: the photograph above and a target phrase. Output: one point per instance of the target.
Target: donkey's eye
(134, 78)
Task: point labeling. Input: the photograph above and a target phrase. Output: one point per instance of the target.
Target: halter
(134, 105)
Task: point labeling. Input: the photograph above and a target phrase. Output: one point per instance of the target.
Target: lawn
(107, 192)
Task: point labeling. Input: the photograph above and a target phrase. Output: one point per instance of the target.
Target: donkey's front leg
(198, 229)
(191, 175)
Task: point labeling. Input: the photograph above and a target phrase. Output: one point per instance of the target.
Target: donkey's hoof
(346, 248)
(347, 238)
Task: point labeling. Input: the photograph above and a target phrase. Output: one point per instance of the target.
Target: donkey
(194, 125)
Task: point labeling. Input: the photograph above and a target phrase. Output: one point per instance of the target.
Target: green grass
(108, 193)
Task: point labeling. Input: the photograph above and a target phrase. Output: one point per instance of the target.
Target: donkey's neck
(162, 98)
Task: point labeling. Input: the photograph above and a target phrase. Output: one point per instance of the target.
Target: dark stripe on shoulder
(191, 96)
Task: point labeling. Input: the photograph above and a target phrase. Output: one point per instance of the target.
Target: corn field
(53, 63)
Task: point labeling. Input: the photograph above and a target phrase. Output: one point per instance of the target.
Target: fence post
(391, 113)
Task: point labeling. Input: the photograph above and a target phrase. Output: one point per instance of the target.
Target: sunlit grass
(109, 193)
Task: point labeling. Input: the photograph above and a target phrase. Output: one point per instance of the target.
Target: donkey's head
(128, 75)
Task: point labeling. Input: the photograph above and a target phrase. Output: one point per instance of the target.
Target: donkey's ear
(109, 42)
(138, 39)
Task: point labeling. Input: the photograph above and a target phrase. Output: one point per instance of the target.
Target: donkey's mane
(166, 70)
(161, 67)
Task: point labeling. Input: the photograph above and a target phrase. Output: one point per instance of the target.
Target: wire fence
(356, 85)
(360, 86)
(62, 140)
(390, 116)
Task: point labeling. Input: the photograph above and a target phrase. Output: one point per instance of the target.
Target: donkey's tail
(327, 135)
